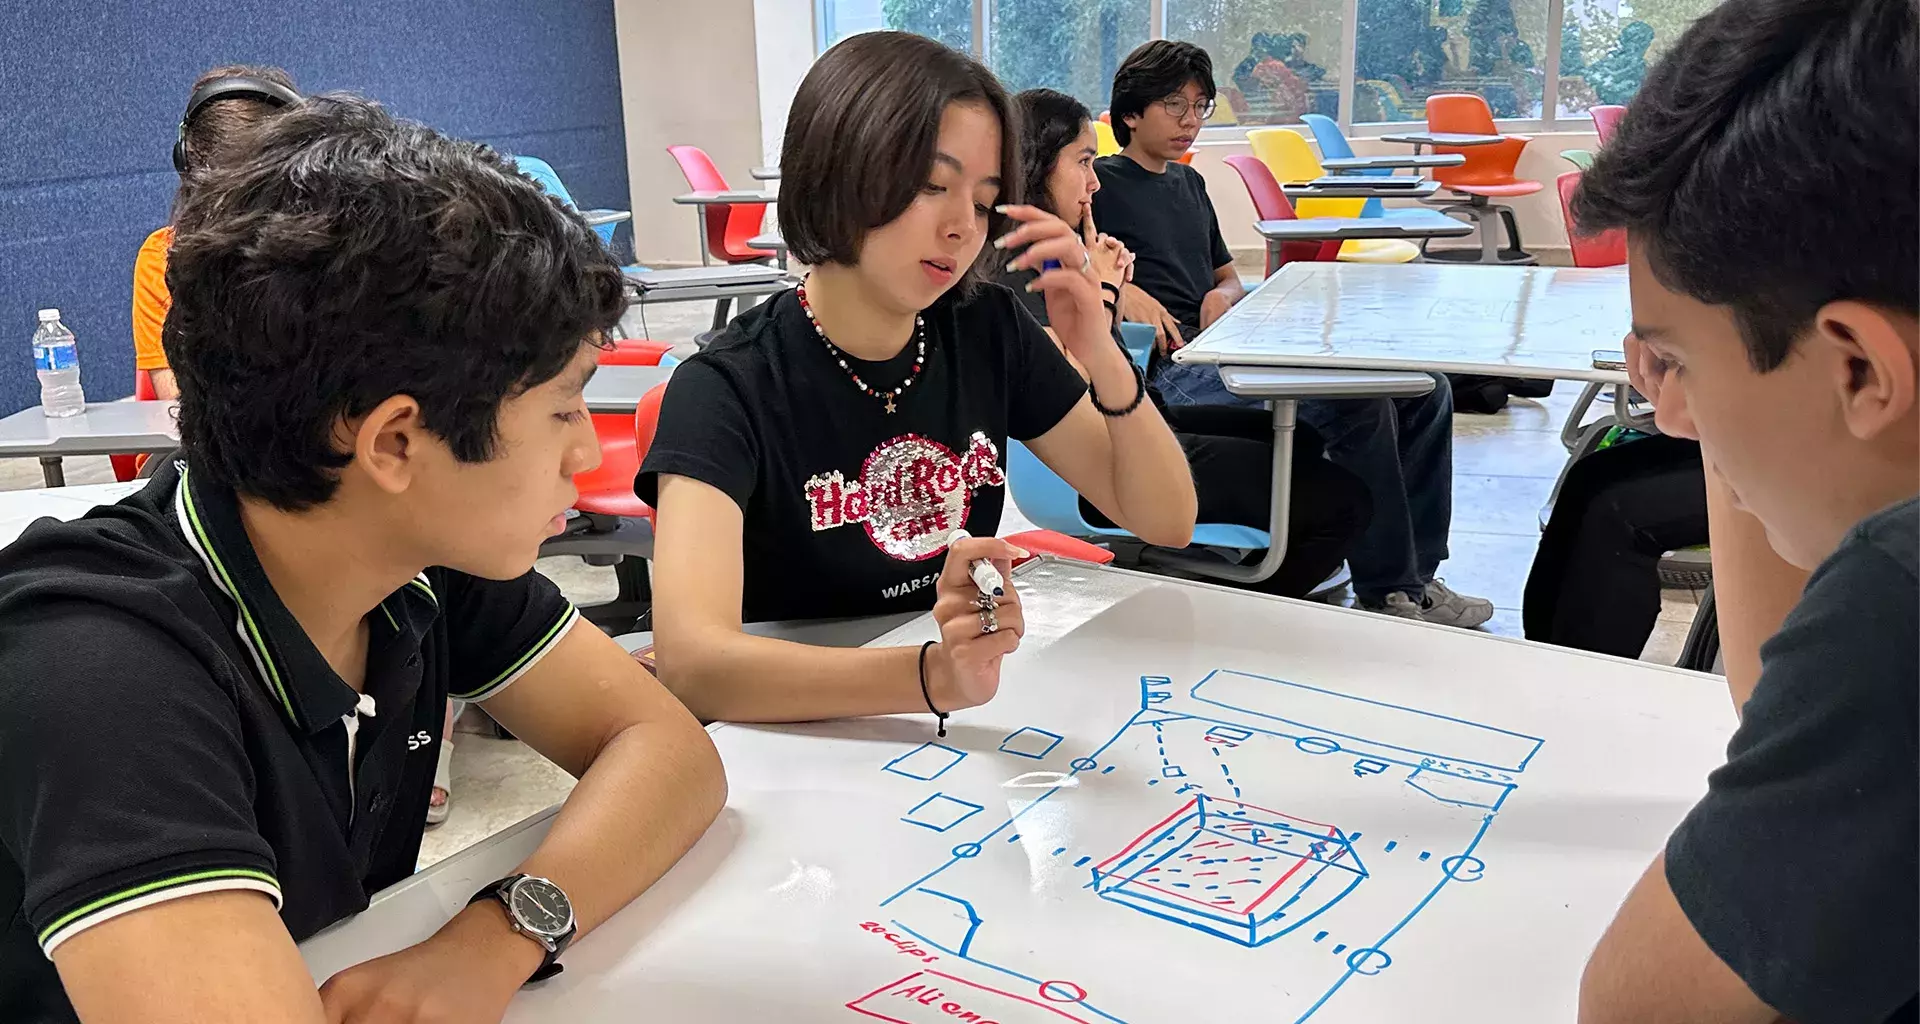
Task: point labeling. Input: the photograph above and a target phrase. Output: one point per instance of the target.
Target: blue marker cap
(1046, 265)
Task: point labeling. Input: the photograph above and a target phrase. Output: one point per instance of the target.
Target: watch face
(541, 907)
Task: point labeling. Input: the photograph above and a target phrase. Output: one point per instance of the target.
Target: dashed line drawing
(1247, 857)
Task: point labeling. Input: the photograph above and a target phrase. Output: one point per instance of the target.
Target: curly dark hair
(1761, 99)
(1154, 71)
(349, 257)
(1049, 122)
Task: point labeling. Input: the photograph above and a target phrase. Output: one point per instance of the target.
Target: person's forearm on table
(1152, 481)
(645, 799)
(725, 675)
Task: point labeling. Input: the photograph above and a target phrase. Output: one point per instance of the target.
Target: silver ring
(1086, 260)
(989, 615)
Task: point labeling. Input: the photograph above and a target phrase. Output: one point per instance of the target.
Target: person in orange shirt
(226, 103)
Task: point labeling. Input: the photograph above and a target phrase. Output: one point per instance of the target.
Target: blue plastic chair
(1052, 504)
(1334, 146)
(549, 179)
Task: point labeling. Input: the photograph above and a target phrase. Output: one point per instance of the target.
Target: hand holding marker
(985, 576)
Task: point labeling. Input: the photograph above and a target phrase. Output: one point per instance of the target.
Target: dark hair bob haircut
(861, 137)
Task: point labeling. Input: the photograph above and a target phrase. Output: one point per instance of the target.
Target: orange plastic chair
(1487, 174)
(1269, 203)
(1606, 249)
(729, 225)
(126, 467)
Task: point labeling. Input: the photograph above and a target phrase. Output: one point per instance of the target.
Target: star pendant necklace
(840, 357)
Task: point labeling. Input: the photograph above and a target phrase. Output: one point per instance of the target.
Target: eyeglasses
(1178, 106)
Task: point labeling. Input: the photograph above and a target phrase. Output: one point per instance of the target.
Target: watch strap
(500, 890)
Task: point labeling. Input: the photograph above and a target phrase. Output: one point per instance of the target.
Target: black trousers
(1595, 582)
(1230, 450)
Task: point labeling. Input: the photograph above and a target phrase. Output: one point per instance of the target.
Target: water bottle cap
(49, 315)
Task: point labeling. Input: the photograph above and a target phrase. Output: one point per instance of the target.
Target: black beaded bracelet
(1140, 395)
(941, 729)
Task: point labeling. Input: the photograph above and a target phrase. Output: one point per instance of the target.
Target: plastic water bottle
(58, 360)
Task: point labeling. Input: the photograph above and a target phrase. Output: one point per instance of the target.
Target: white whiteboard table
(1404, 822)
(1539, 322)
(105, 428)
(18, 509)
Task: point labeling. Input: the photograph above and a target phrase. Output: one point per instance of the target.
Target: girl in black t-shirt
(816, 458)
(1230, 448)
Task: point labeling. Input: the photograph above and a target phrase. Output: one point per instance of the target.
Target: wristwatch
(539, 910)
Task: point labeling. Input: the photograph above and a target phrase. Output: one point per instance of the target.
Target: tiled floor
(1504, 468)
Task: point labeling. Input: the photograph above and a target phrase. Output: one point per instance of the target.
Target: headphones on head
(271, 93)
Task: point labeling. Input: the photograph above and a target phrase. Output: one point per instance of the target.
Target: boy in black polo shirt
(1184, 280)
(220, 698)
(1784, 337)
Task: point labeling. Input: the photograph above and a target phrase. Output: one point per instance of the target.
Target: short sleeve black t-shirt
(166, 727)
(1798, 866)
(847, 507)
(1168, 222)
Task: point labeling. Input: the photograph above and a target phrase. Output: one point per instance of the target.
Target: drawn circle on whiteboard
(1464, 869)
(1083, 764)
(1063, 992)
(1368, 961)
(967, 850)
(1316, 745)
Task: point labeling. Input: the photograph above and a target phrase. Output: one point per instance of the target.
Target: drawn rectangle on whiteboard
(926, 762)
(1310, 711)
(923, 997)
(941, 812)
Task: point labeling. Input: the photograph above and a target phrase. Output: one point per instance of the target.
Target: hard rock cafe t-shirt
(847, 507)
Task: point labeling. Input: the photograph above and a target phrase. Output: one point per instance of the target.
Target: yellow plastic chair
(1287, 154)
(1104, 144)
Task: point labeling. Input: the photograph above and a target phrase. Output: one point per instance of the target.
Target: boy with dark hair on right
(1783, 337)
(1184, 280)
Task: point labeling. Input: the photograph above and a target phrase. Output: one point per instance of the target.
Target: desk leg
(700, 214)
(52, 470)
(722, 312)
(1285, 413)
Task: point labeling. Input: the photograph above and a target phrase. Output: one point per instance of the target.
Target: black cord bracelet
(1140, 395)
(1107, 286)
(941, 729)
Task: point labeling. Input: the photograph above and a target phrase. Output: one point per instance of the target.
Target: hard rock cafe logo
(911, 493)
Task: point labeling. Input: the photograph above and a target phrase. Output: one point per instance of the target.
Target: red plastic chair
(1606, 249)
(126, 467)
(729, 225)
(1269, 203)
(1606, 120)
(1487, 174)
(634, 352)
(1047, 542)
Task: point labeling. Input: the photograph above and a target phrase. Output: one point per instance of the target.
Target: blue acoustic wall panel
(91, 95)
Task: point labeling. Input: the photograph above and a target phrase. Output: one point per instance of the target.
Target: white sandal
(442, 781)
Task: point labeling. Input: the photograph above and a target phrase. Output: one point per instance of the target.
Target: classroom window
(1606, 46)
(1407, 50)
(950, 21)
(1070, 45)
(1273, 60)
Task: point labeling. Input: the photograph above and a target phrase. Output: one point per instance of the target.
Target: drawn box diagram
(941, 812)
(926, 762)
(1030, 742)
(1232, 869)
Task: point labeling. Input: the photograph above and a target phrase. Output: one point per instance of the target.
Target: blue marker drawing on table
(1271, 785)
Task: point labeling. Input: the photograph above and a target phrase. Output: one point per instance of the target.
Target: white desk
(106, 428)
(1325, 229)
(764, 174)
(826, 882)
(1350, 190)
(1369, 163)
(618, 389)
(1539, 322)
(20, 508)
(1419, 140)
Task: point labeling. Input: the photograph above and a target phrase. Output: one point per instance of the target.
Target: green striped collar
(293, 671)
